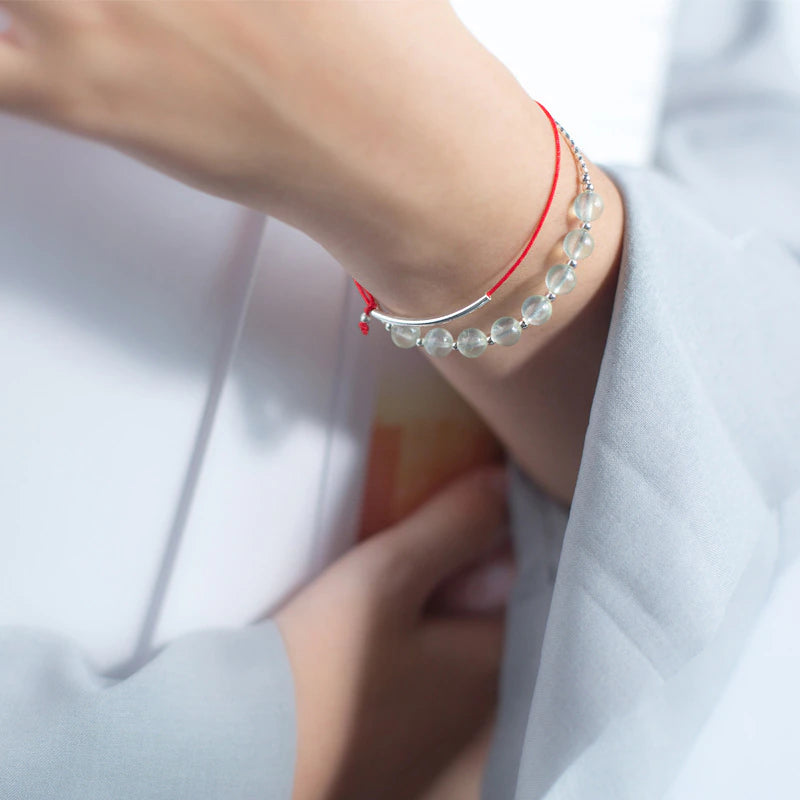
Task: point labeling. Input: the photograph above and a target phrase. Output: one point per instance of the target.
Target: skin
(422, 170)
(406, 696)
(391, 136)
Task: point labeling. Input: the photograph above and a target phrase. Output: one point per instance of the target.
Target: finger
(463, 776)
(20, 73)
(19, 76)
(472, 648)
(459, 525)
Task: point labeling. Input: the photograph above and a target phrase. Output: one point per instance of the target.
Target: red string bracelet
(371, 304)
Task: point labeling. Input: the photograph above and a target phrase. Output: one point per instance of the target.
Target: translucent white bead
(506, 331)
(578, 244)
(405, 336)
(560, 279)
(536, 310)
(438, 342)
(588, 206)
(472, 342)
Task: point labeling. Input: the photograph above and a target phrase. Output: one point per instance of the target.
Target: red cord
(372, 303)
(556, 173)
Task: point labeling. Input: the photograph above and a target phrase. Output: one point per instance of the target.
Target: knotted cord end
(364, 323)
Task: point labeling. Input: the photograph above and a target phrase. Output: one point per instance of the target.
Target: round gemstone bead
(560, 279)
(405, 336)
(536, 310)
(438, 342)
(588, 206)
(578, 244)
(506, 331)
(472, 342)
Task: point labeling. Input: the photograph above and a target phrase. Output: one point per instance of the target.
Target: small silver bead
(388, 326)
(365, 317)
(455, 346)
(523, 324)
(419, 342)
(572, 263)
(587, 226)
(551, 296)
(489, 341)
(590, 186)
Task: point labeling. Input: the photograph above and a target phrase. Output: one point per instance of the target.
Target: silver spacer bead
(572, 263)
(388, 326)
(455, 346)
(365, 317)
(523, 324)
(587, 226)
(489, 341)
(590, 186)
(551, 296)
(419, 342)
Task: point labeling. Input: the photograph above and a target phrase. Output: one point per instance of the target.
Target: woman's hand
(392, 697)
(255, 101)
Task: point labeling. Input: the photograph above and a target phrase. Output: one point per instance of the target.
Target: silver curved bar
(462, 312)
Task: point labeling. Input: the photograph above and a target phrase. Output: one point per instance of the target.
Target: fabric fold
(212, 715)
(675, 519)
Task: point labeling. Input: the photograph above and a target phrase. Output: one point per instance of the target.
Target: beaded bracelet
(536, 309)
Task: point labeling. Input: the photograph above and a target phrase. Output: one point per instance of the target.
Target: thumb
(453, 529)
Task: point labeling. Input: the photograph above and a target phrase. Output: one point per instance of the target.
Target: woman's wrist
(433, 206)
(535, 395)
(439, 215)
(431, 209)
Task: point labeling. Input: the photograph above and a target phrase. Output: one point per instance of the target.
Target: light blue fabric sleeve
(630, 608)
(210, 716)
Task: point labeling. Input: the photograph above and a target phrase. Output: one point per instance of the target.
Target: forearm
(444, 211)
(537, 395)
(383, 130)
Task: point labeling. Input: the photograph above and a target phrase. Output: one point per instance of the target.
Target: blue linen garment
(632, 607)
